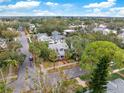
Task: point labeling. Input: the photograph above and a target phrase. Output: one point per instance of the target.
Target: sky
(102, 8)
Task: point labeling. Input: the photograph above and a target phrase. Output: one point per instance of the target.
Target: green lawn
(115, 76)
(122, 71)
(85, 77)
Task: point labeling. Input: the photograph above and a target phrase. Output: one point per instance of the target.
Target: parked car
(30, 58)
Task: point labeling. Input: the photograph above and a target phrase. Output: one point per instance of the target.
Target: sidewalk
(64, 65)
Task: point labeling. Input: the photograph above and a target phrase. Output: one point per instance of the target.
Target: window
(61, 49)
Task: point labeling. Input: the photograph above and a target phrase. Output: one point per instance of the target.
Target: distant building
(67, 31)
(43, 37)
(3, 43)
(103, 29)
(121, 36)
(56, 36)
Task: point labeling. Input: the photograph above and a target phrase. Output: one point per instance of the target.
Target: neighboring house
(56, 36)
(60, 47)
(32, 28)
(43, 37)
(115, 86)
(3, 43)
(104, 30)
(56, 41)
(73, 26)
(121, 36)
(59, 44)
(67, 31)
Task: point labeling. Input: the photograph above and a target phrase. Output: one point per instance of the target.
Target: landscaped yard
(115, 76)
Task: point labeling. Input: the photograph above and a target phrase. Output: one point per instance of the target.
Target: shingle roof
(116, 86)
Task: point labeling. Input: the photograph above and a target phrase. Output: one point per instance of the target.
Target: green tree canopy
(98, 49)
(52, 55)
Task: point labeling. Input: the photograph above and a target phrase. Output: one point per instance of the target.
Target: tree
(40, 49)
(68, 54)
(76, 46)
(100, 76)
(52, 55)
(98, 49)
(9, 34)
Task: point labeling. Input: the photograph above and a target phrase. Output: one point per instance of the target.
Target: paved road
(20, 84)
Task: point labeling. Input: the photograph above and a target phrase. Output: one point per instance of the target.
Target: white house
(60, 48)
(32, 28)
(56, 41)
(121, 36)
(67, 31)
(3, 43)
(103, 29)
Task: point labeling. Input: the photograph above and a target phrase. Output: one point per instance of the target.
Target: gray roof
(55, 33)
(3, 43)
(116, 86)
(57, 36)
(59, 47)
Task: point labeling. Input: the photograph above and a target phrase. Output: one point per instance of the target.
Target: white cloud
(43, 13)
(51, 4)
(106, 4)
(68, 5)
(4, 0)
(14, 14)
(118, 11)
(21, 5)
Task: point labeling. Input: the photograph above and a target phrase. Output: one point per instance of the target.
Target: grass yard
(115, 76)
(122, 71)
(85, 77)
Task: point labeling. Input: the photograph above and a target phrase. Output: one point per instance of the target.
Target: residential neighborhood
(61, 46)
(38, 61)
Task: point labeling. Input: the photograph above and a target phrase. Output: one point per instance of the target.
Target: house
(3, 43)
(121, 36)
(67, 31)
(43, 37)
(32, 28)
(103, 29)
(115, 86)
(57, 37)
(55, 41)
(60, 47)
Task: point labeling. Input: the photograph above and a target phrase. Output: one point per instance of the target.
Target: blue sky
(109, 8)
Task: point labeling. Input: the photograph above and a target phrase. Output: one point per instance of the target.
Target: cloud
(21, 5)
(43, 13)
(68, 5)
(106, 4)
(14, 14)
(51, 4)
(4, 1)
(118, 11)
